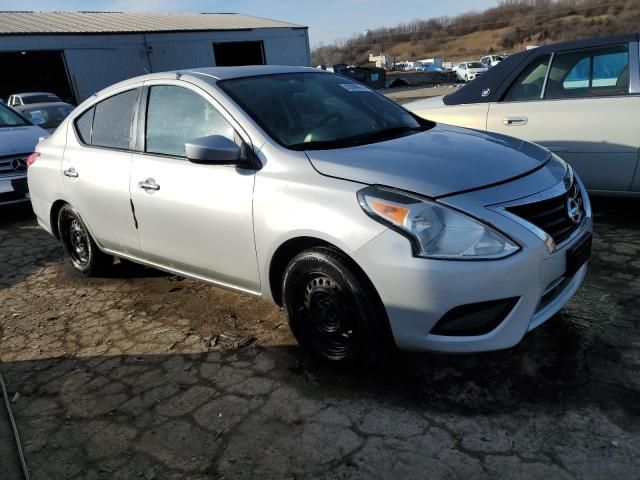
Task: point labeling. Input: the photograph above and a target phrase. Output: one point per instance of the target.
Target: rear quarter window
(112, 121)
(83, 126)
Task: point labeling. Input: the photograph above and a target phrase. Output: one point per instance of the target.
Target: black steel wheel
(334, 312)
(76, 240)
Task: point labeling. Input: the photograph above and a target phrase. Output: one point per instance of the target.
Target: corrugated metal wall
(97, 61)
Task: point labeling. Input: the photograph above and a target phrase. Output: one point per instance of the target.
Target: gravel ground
(117, 378)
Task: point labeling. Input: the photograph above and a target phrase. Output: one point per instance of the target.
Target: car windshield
(313, 111)
(45, 97)
(475, 65)
(8, 118)
(47, 117)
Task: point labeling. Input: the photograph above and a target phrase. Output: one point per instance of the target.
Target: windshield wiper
(377, 136)
(321, 144)
(386, 134)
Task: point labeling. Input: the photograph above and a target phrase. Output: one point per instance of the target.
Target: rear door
(195, 218)
(96, 170)
(579, 104)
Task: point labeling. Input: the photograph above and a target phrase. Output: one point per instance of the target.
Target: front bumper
(13, 189)
(418, 292)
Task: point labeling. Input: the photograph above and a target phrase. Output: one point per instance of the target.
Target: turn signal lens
(393, 213)
(31, 159)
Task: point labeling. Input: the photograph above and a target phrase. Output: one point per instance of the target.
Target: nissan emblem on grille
(19, 164)
(573, 210)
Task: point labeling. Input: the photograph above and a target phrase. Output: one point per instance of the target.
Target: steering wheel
(327, 118)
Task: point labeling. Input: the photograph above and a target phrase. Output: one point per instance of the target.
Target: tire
(78, 244)
(334, 312)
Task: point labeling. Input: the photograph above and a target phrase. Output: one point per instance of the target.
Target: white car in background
(19, 99)
(468, 71)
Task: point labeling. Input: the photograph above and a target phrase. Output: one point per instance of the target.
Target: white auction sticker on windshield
(354, 87)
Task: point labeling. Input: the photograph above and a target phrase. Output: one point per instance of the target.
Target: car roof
(226, 73)
(212, 75)
(33, 94)
(490, 86)
(42, 105)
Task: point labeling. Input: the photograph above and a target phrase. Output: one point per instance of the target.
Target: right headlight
(435, 231)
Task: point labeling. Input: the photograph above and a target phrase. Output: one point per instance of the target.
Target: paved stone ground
(117, 379)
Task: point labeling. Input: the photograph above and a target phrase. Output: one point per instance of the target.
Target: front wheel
(77, 243)
(334, 312)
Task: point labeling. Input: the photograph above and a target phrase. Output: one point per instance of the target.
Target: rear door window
(113, 119)
(593, 72)
(83, 126)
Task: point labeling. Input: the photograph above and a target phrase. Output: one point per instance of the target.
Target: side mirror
(213, 149)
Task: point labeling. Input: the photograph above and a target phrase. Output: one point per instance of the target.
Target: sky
(328, 20)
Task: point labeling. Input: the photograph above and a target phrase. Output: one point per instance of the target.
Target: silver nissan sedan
(370, 225)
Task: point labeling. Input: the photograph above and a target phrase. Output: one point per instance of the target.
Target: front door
(96, 170)
(194, 218)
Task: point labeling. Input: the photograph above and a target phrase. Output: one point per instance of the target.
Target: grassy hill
(509, 27)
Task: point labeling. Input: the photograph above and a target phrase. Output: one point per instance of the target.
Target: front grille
(7, 165)
(552, 215)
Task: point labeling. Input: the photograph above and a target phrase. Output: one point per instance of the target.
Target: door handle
(514, 121)
(149, 184)
(71, 173)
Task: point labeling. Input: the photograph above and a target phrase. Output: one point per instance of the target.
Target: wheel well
(283, 255)
(53, 220)
(289, 249)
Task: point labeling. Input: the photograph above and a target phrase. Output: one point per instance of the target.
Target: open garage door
(233, 54)
(35, 71)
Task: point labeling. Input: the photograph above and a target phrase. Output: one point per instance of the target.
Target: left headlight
(435, 231)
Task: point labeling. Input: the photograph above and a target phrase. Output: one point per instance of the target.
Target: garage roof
(15, 23)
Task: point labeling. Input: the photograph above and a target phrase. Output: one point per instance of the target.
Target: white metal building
(76, 54)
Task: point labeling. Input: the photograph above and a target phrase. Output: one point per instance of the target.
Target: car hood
(20, 139)
(441, 161)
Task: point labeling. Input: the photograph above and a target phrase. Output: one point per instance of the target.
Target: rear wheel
(334, 313)
(85, 255)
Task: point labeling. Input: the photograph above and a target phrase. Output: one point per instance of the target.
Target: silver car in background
(18, 139)
(368, 224)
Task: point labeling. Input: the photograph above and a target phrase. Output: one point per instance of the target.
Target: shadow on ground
(271, 412)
